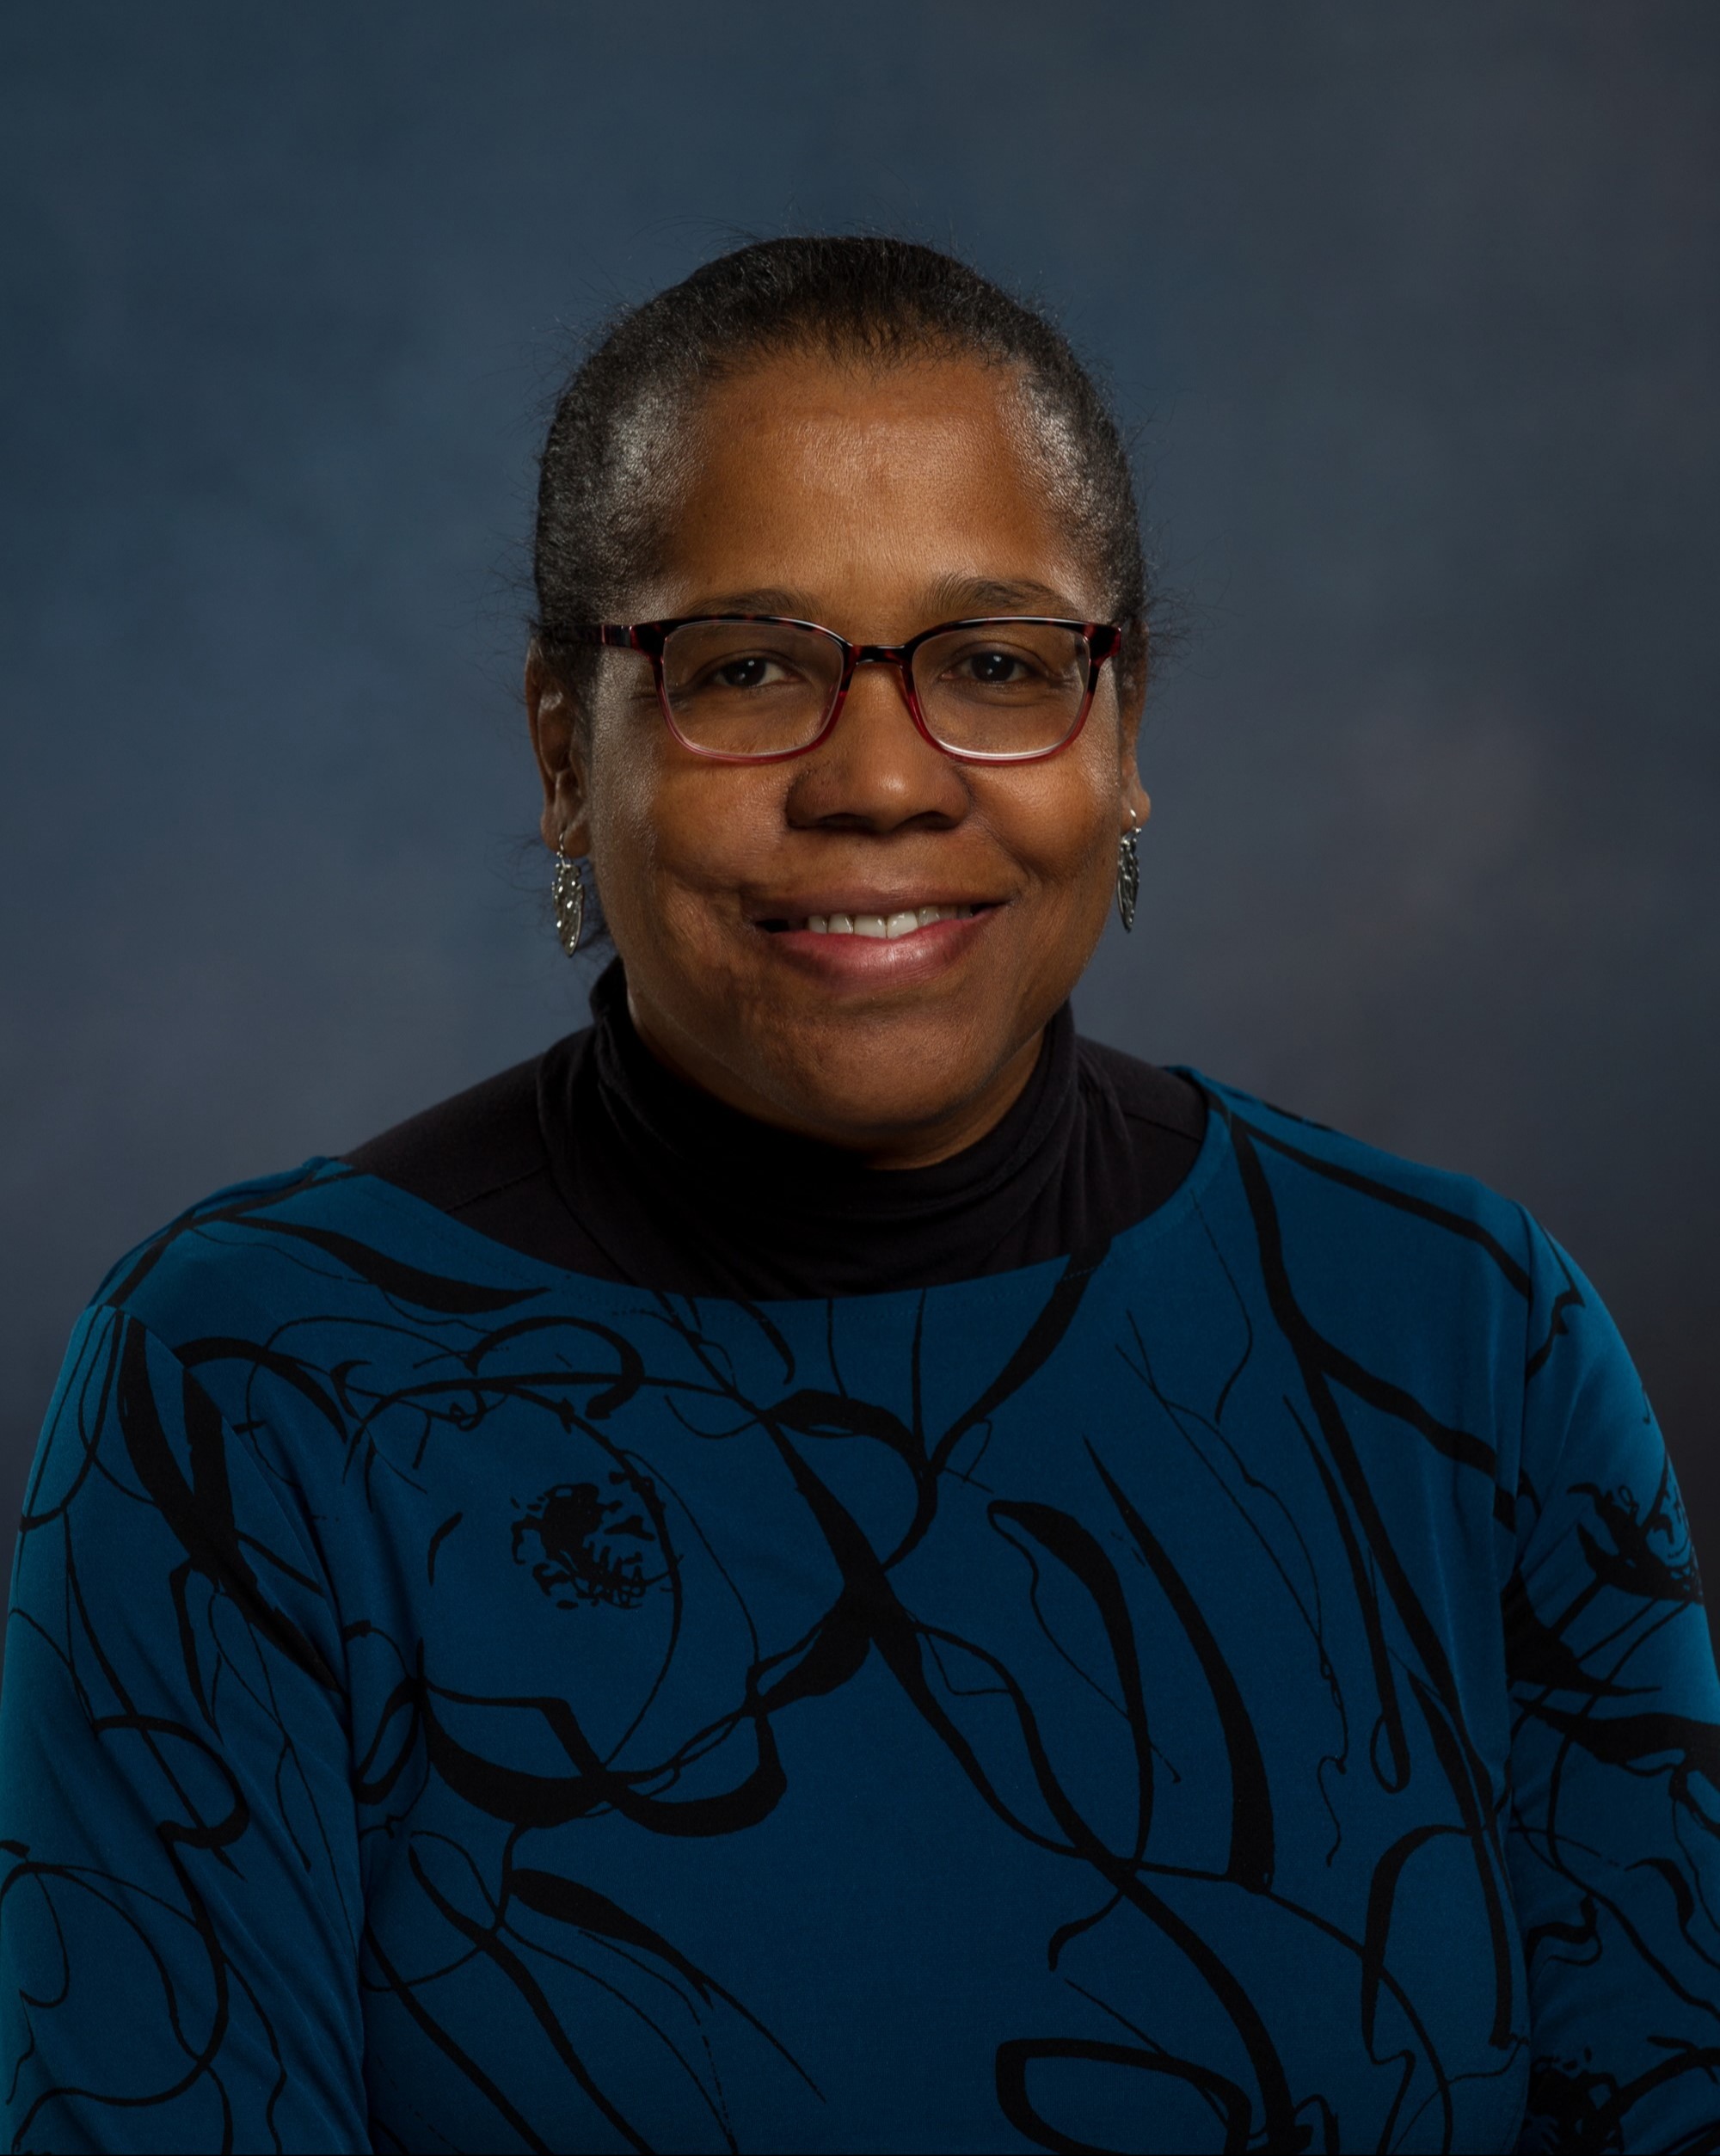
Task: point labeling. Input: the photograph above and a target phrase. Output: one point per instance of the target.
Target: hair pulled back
(601, 496)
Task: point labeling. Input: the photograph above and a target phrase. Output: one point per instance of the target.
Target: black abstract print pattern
(1245, 1689)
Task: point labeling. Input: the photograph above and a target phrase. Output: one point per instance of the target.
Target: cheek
(664, 832)
(1062, 828)
(620, 819)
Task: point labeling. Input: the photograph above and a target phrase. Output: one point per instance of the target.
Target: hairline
(1048, 436)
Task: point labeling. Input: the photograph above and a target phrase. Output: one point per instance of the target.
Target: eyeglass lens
(999, 688)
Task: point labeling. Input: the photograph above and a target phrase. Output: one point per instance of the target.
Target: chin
(855, 1102)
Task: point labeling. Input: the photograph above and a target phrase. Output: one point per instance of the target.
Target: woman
(829, 1565)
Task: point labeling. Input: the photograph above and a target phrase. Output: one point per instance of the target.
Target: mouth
(880, 927)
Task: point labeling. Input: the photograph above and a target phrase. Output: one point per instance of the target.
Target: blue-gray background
(1417, 306)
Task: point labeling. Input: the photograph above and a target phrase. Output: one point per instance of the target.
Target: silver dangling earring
(1128, 875)
(568, 896)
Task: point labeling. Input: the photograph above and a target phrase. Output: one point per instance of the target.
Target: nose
(875, 771)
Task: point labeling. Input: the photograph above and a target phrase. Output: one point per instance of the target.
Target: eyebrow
(765, 599)
(948, 599)
(976, 595)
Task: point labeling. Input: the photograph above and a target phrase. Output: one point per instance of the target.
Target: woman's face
(877, 503)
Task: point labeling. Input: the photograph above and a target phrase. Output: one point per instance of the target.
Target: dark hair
(600, 495)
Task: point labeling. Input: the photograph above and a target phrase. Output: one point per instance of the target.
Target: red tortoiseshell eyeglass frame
(1104, 641)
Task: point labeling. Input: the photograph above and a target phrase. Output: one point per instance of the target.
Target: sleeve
(1614, 1839)
(180, 1907)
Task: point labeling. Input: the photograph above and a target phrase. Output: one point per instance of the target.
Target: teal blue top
(1247, 1688)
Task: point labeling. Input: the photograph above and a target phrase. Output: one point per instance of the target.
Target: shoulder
(453, 1211)
(1287, 1160)
(1412, 1298)
(1346, 1236)
(319, 1246)
(1316, 1199)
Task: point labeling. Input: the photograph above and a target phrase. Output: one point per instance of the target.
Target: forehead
(810, 473)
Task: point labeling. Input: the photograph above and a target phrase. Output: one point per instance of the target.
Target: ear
(1137, 804)
(562, 762)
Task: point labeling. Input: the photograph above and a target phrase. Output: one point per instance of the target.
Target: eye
(992, 668)
(746, 671)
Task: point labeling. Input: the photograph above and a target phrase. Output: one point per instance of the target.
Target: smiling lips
(886, 926)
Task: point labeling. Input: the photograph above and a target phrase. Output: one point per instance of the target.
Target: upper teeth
(885, 924)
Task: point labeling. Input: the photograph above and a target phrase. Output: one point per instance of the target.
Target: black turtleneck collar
(598, 1157)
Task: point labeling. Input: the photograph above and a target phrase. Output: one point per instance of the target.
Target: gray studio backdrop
(1417, 307)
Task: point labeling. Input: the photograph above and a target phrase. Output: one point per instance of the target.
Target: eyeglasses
(755, 688)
